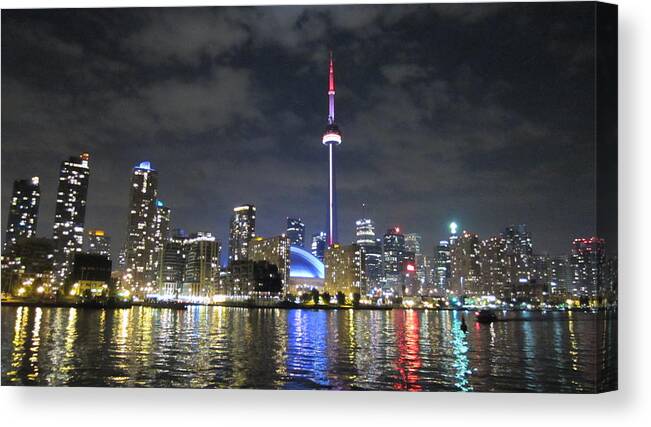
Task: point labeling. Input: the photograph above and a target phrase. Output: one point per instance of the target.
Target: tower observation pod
(331, 138)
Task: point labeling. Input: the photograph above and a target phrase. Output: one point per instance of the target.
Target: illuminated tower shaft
(331, 137)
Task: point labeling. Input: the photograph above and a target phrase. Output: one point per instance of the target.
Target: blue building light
(145, 165)
(304, 264)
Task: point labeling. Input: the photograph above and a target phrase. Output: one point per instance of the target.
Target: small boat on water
(485, 316)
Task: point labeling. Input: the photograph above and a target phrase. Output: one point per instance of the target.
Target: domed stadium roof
(304, 264)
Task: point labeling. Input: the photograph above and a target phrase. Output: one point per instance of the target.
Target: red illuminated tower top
(331, 80)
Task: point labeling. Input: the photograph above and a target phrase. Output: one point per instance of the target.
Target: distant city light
(453, 228)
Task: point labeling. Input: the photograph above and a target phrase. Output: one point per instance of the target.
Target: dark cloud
(481, 114)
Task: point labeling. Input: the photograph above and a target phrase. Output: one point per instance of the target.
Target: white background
(628, 406)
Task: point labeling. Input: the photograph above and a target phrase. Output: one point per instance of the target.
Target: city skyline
(282, 138)
(466, 239)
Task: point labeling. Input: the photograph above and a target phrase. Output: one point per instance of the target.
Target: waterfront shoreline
(285, 305)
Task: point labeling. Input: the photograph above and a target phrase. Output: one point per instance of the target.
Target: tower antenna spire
(331, 91)
(331, 138)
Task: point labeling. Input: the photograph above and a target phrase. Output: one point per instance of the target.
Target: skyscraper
(393, 257)
(70, 215)
(242, 229)
(161, 234)
(22, 217)
(141, 242)
(296, 232)
(588, 259)
(413, 243)
(453, 233)
(442, 267)
(492, 255)
(464, 260)
(372, 247)
(559, 275)
(519, 255)
(319, 244)
(98, 243)
(331, 137)
(163, 221)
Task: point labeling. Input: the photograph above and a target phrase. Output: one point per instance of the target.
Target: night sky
(481, 114)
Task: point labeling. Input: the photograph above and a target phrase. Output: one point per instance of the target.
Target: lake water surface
(220, 347)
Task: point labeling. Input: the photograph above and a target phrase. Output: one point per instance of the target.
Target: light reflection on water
(219, 347)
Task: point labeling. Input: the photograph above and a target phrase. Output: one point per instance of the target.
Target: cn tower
(331, 138)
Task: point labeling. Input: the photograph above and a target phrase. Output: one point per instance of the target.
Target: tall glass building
(465, 274)
(202, 267)
(493, 266)
(69, 215)
(162, 233)
(319, 244)
(296, 232)
(22, 217)
(171, 269)
(142, 224)
(587, 260)
(519, 254)
(372, 249)
(242, 229)
(393, 256)
(413, 243)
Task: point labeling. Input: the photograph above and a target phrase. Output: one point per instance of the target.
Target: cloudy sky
(478, 114)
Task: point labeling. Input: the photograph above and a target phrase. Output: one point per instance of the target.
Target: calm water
(219, 347)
